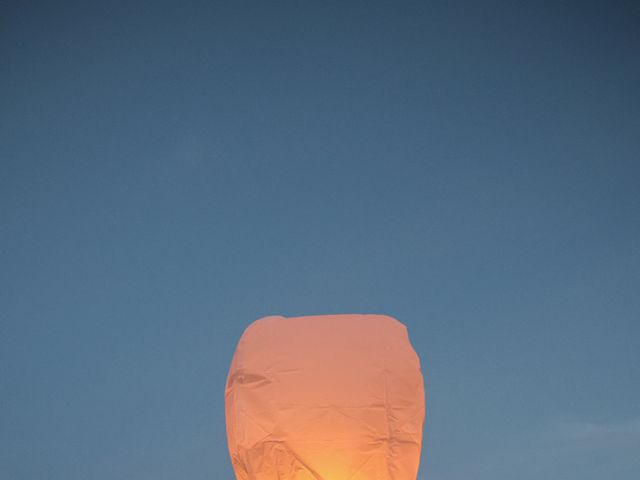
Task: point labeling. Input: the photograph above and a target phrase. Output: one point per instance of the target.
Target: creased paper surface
(335, 397)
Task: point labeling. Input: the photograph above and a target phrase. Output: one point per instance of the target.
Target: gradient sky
(171, 171)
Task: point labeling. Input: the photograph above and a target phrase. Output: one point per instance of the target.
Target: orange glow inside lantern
(335, 397)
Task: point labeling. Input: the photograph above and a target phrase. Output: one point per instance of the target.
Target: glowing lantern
(336, 397)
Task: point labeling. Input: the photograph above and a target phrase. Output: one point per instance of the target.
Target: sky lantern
(327, 397)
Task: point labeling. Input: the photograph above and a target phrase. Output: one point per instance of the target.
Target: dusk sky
(172, 171)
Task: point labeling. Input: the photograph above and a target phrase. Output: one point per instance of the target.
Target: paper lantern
(335, 397)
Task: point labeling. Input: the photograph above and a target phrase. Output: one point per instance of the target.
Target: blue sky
(171, 171)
